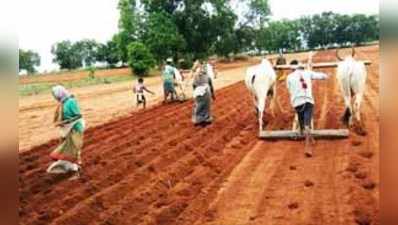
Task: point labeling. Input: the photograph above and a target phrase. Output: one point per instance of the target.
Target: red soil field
(155, 167)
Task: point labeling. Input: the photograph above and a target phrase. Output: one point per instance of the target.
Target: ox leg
(261, 106)
(347, 116)
(182, 91)
(256, 106)
(273, 102)
(357, 107)
(260, 121)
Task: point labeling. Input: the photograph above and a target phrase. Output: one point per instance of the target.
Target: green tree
(258, 13)
(342, 34)
(108, 53)
(363, 29)
(328, 28)
(280, 35)
(194, 28)
(28, 60)
(306, 29)
(88, 51)
(324, 29)
(203, 23)
(67, 55)
(226, 45)
(140, 58)
(227, 39)
(162, 37)
(168, 6)
(131, 23)
(251, 23)
(372, 28)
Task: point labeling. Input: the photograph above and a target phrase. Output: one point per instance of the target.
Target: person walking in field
(168, 76)
(203, 95)
(139, 90)
(300, 90)
(68, 118)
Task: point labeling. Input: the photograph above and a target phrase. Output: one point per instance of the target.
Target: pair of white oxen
(351, 75)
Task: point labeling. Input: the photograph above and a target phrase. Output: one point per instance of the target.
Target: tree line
(151, 31)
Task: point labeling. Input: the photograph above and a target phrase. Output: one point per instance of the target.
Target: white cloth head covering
(169, 60)
(60, 93)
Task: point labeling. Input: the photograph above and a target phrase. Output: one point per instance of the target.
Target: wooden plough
(317, 134)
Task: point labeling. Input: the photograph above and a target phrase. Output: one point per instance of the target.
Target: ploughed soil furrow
(116, 150)
(133, 153)
(334, 187)
(97, 133)
(178, 159)
(132, 146)
(155, 168)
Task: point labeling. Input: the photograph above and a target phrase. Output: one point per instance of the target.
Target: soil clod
(308, 183)
(366, 154)
(293, 205)
(369, 185)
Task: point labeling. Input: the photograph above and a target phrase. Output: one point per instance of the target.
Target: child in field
(139, 89)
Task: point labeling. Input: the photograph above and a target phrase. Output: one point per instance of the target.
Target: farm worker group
(300, 89)
(67, 155)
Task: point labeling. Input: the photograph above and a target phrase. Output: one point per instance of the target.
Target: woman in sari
(203, 95)
(68, 118)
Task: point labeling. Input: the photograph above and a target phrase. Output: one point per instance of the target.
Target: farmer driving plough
(299, 85)
(174, 83)
(168, 76)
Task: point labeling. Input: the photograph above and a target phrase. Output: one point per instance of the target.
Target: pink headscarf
(60, 93)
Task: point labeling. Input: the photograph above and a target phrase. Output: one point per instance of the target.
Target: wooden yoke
(316, 65)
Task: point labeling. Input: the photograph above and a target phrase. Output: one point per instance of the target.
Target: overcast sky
(44, 22)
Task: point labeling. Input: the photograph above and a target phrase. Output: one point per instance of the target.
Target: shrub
(241, 58)
(91, 72)
(140, 58)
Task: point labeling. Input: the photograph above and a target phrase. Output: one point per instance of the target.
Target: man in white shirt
(300, 89)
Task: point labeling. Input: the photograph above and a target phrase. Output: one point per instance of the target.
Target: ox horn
(338, 56)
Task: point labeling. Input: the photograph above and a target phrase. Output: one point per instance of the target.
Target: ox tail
(253, 79)
(261, 108)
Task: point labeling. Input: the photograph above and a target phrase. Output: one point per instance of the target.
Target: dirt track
(154, 167)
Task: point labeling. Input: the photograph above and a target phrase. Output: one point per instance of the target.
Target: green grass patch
(40, 88)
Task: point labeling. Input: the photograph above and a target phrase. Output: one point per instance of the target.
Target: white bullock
(261, 81)
(351, 75)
